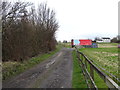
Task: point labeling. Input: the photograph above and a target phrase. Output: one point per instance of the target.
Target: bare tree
(27, 33)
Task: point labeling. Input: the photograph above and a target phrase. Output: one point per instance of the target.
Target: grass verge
(78, 80)
(11, 69)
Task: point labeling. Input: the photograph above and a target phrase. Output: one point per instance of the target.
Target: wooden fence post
(91, 72)
(85, 62)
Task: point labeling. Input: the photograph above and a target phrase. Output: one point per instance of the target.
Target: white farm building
(104, 39)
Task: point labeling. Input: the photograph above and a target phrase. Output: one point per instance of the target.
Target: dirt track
(56, 72)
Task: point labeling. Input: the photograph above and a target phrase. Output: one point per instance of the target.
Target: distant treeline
(27, 31)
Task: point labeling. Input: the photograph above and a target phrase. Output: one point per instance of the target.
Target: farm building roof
(105, 38)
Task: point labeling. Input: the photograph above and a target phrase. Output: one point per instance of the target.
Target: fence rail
(89, 74)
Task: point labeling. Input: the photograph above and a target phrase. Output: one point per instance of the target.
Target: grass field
(106, 56)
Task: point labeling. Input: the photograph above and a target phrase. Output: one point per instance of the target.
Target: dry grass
(107, 45)
(106, 53)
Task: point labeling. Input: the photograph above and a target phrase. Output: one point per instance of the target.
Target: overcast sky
(83, 19)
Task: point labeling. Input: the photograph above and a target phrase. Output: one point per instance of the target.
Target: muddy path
(56, 72)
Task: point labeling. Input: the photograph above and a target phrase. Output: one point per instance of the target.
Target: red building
(81, 42)
(85, 42)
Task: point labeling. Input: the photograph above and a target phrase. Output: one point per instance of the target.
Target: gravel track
(56, 72)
